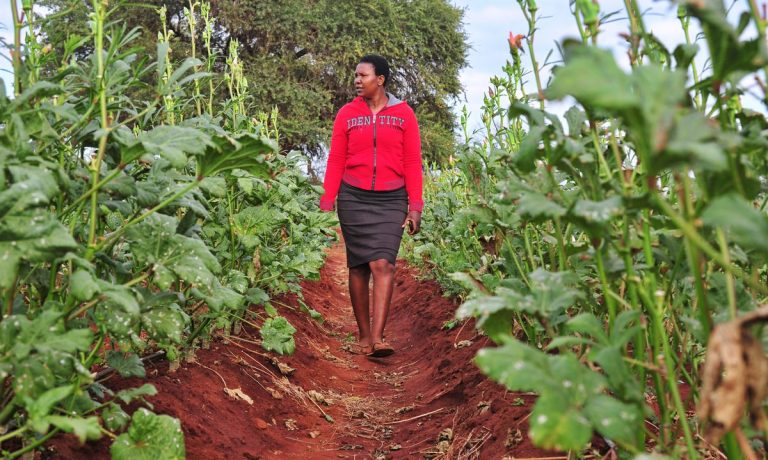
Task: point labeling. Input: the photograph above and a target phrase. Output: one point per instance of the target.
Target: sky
(487, 25)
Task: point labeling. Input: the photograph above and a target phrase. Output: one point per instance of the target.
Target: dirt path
(425, 401)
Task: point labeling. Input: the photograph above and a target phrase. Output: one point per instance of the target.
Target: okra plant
(137, 214)
(599, 248)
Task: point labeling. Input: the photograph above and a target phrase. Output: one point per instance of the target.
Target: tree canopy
(300, 55)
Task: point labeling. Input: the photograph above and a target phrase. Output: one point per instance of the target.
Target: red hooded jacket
(375, 152)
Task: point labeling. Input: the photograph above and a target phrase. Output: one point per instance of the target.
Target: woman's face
(367, 83)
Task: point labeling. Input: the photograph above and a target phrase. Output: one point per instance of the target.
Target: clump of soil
(426, 401)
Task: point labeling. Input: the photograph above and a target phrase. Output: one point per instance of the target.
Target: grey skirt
(371, 223)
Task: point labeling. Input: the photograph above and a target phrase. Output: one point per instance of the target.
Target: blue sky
(488, 23)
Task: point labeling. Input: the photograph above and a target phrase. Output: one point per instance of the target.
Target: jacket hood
(392, 100)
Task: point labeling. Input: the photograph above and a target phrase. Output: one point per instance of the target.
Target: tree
(300, 55)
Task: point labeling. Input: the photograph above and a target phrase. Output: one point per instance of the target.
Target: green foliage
(301, 57)
(277, 335)
(599, 249)
(126, 364)
(571, 403)
(150, 437)
(118, 196)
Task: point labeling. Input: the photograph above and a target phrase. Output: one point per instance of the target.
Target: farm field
(590, 280)
(423, 402)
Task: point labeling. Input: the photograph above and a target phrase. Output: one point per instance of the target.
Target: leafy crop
(599, 248)
(122, 210)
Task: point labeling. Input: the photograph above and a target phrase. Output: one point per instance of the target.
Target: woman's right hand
(413, 222)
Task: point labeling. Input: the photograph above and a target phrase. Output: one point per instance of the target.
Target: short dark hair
(379, 63)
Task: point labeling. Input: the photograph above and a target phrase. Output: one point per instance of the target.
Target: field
(586, 285)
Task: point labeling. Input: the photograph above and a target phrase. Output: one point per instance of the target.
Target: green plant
(601, 247)
(107, 202)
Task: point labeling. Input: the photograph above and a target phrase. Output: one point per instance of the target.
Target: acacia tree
(299, 56)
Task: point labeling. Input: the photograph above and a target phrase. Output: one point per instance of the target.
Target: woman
(374, 167)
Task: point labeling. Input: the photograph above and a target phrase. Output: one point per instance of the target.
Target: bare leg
(358, 292)
(383, 285)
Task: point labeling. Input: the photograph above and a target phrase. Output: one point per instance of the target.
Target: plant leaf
(126, 364)
(127, 396)
(593, 78)
(556, 424)
(277, 335)
(114, 417)
(86, 429)
(83, 286)
(614, 419)
(150, 437)
(173, 143)
(745, 225)
(539, 207)
(246, 151)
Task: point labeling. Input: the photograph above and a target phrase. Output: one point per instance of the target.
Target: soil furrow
(426, 401)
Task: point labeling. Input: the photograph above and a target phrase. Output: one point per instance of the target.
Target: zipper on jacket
(373, 182)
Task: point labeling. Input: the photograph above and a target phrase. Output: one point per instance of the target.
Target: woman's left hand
(413, 222)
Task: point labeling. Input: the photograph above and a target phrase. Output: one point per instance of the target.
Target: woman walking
(374, 175)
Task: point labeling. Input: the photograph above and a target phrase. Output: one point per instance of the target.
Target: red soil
(393, 407)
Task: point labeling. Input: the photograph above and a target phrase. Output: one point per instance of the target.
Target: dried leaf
(291, 424)
(484, 406)
(514, 438)
(283, 368)
(275, 394)
(173, 366)
(237, 393)
(463, 344)
(317, 397)
(735, 374)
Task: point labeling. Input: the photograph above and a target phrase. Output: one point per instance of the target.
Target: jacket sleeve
(412, 164)
(334, 170)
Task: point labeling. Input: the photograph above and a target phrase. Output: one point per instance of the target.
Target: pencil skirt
(371, 223)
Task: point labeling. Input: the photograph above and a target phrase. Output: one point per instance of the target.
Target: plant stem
(192, 19)
(685, 21)
(85, 307)
(634, 28)
(562, 259)
(671, 378)
(38, 442)
(8, 410)
(137, 280)
(610, 302)
(94, 351)
(13, 434)
(530, 16)
(231, 219)
(511, 251)
(760, 24)
(94, 188)
(690, 232)
(529, 250)
(98, 16)
(694, 257)
(729, 281)
(17, 24)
